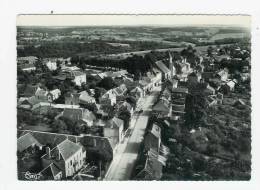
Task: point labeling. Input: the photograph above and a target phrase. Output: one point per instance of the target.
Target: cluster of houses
(54, 156)
(154, 155)
(60, 156)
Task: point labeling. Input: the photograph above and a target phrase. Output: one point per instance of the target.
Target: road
(124, 160)
(129, 54)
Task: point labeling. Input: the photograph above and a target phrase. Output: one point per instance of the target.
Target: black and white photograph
(133, 97)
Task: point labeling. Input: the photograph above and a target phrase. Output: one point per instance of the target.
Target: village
(181, 115)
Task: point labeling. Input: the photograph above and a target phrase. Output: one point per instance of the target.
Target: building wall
(75, 163)
(80, 79)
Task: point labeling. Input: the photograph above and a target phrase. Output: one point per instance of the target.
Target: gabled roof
(26, 141)
(88, 115)
(30, 90)
(180, 90)
(115, 122)
(178, 108)
(156, 131)
(50, 171)
(162, 67)
(153, 167)
(68, 148)
(85, 97)
(162, 106)
(71, 112)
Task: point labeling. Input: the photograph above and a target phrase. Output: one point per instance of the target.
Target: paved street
(127, 151)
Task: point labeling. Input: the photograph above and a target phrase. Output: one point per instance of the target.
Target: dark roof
(101, 145)
(50, 171)
(162, 106)
(30, 90)
(180, 90)
(152, 168)
(178, 108)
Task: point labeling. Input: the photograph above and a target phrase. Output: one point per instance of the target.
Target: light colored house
(137, 92)
(222, 75)
(49, 96)
(79, 77)
(166, 73)
(109, 98)
(85, 98)
(68, 158)
(53, 95)
(114, 129)
(27, 67)
(52, 65)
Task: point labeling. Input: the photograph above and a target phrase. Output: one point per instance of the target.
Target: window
(71, 162)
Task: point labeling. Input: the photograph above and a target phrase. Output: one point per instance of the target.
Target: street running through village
(126, 154)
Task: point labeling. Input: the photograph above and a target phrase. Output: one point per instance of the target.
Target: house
(30, 90)
(113, 129)
(79, 77)
(71, 68)
(53, 95)
(145, 85)
(211, 101)
(137, 92)
(95, 145)
(152, 139)
(179, 92)
(151, 169)
(85, 98)
(162, 108)
(75, 75)
(28, 103)
(207, 76)
(121, 106)
(68, 158)
(27, 142)
(26, 60)
(109, 98)
(239, 102)
(79, 115)
(49, 96)
(27, 67)
(51, 172)
(178, 109)
(194, 78)
(222, 75)
(72, 98)
(51, 64)
(209, 90)
(171, 66)
(228, 87)
(120, 90)
(166, 73)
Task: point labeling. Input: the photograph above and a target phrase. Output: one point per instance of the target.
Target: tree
(210, 51)
(107, 83)
(58, 125)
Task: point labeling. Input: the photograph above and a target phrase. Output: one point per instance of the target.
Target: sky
(133, 20)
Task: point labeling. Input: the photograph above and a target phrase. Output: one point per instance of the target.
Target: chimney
(48, 152)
